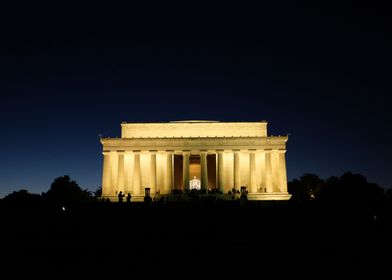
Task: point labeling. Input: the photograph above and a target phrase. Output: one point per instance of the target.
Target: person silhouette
(120, 197)
(129, 198)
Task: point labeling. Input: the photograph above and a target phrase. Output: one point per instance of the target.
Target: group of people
(121, 197)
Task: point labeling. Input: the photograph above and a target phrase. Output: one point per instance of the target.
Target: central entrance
(195, 170)
(194, 167)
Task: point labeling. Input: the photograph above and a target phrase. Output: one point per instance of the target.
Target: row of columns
(274, 158)
(118, 173)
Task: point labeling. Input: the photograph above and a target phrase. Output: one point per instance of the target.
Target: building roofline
(192, 121)
(205, 137)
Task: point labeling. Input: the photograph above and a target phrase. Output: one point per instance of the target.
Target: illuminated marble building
(169, 156)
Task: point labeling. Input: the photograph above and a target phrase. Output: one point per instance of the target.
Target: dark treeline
(349, 192)
(328, 225)
(63, 191)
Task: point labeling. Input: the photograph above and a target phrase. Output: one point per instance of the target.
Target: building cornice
(200, 143)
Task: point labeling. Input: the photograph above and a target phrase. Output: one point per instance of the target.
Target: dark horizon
(72, 73)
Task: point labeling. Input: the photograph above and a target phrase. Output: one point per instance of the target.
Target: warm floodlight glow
(194, 129)
(222, 155)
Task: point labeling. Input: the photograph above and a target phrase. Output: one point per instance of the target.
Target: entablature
(208, 143)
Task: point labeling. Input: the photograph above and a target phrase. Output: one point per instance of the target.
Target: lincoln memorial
(207, 156)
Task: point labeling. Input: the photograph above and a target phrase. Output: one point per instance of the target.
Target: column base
(114, 198)
(186, 197)
(269, 196)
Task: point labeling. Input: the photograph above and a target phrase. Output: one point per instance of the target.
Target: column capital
(106, 153)
(186, 153)
(281, 151)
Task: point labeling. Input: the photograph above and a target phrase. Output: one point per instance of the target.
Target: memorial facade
(175, 157)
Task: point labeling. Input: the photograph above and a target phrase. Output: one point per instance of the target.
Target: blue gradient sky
(69, 74)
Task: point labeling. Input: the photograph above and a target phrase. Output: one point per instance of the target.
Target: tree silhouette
(352, 192)
(306, 188)
(98, 192)
(65, 191)
(22, 198)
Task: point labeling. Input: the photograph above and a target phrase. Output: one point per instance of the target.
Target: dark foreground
(101, 240)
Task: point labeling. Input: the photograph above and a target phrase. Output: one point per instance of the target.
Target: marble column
(185, 171)
(128, 172)
(114, 172)
(106, 180)
(275, 170)
(252, 172)
(221, 173)
(136, 187)
(121, 179)
(153, 173)
(282, 171)
(169, 173)
(204, 171)
(237, 171)
(262, 169)
(268, 172)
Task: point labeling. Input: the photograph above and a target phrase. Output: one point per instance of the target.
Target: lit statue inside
(195, 184)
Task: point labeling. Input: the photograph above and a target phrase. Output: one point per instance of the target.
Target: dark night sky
(71, 72)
